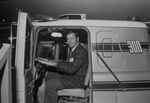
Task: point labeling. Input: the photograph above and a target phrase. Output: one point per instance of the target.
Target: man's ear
(77, 39)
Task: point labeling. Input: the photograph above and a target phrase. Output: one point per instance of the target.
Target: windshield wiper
(119, 82)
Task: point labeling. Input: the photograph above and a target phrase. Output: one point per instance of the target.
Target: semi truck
(118, 52)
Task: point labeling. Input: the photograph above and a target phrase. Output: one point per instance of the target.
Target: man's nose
(68, 41)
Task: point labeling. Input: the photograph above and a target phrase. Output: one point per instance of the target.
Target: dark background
(95, 9)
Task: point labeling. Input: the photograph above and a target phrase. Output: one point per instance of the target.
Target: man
(70, 73)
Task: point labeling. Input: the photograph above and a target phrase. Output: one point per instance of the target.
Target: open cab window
(52, 43)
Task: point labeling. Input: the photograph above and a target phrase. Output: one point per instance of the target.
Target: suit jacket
(74, 69)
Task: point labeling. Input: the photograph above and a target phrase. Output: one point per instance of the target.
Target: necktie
(70, 52)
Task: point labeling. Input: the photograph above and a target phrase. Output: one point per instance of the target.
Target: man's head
(72, 39)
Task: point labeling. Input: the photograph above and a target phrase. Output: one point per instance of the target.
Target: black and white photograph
(74, 51)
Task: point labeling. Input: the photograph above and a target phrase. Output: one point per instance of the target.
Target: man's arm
(47, 62)
(74, 63)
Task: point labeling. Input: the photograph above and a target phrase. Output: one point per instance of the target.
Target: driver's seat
(76, 94)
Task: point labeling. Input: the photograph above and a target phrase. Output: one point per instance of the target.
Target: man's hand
(47, 62)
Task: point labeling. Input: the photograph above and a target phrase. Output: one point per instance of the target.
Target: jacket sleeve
(74, 65)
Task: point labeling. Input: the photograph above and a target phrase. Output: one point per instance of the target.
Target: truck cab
(118, 52)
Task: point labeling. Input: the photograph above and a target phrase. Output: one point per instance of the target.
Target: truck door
(23, 58)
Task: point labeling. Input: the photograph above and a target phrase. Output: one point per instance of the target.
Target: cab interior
(52, 44)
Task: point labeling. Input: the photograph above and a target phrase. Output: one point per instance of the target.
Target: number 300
(134, 46)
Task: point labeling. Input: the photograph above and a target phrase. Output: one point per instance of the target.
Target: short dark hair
(75, 33)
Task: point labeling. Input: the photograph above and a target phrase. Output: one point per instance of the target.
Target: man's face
(72, 39)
